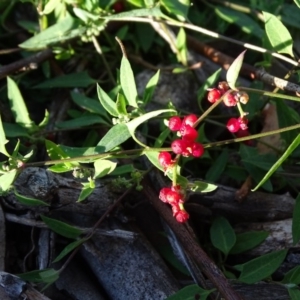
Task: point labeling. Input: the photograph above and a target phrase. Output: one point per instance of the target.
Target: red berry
(118, 6)
(223, 87)
(179, 146)
(197, 150)
(243, 121)
(165, 159)
(163, 194)
(229, 99)
(180, 215)
(188, 132)
(190, 120)
(233, 125)
(174, 123)
(214, 95)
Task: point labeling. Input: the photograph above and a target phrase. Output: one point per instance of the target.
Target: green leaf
(29, 201)
(296, 221)
(62, 228)
(63, 30)
(262, 267)
(81, 151)
(14, 130)
(85, 120)
(218, 167)
(86, 191)
(161, 138)
(43, 276)
(121, 170)
(133, 124)
(3, 140)
(61, 168)
(108, 104)
(279, 162)
(81, 79)
(179, 8)
(103, 167)
(143, 12)
(88, 104)
(248, 240)
(121, 105)
(278, 34)
(294, 294)
(247, 24)
(7, 180)
(222, 235)
(202, 187)
(150, 87)
(17, 105)
(234, 70)
(297, 2)
(181, 47)
(68, 249)
(114, 137)
(50, 6)
(292, 276)
(191, 292)
(54, 151)
(128, 83)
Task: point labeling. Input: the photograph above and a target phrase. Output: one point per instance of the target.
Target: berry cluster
(230, 98)
(175, 198)
(187, 145)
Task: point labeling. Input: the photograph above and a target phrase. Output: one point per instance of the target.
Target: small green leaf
(50, 6)
(133, 124)
(121, 170)
(81, 151)
(121, 105)
(43, 276)
(3, 140)
(297, 2)
(179, 8)
(7, 180)
(222, 235)
(68, 249)
(103, 167)
(29, 201)
(86, 191)
(234, 70)
(248, 240)
(296, 221)
(294, 293)
(128, 83)
(279, 162)
(218, 167)
(81, 79)
(14, 130)
(88, 104)
(191, 292)
(54, 151)
(246, 23)
(108, 104)
(161, 138)
(292, 276)
(150, 87)
(262, 267)
(278, 34)
(62, 228)
(62, 30)
(202, 187)
(114, 137)
(17, 105)
(61, 168)
(181, 47)
(86, 120)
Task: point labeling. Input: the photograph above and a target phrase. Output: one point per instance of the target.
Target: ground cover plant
(167, 121)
